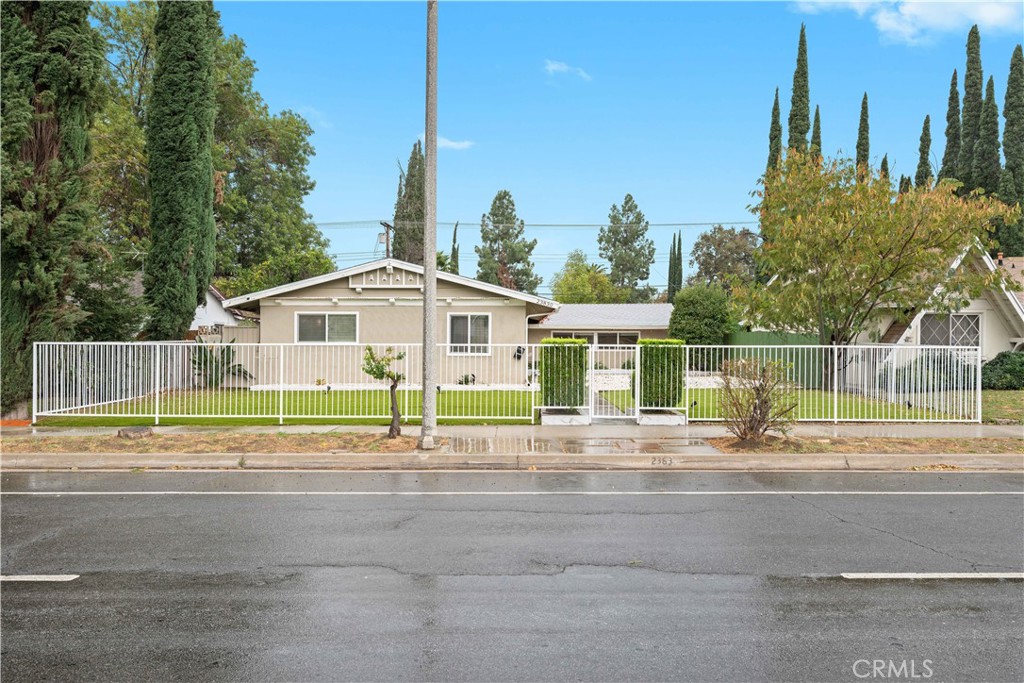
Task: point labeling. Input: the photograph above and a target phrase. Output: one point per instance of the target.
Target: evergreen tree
(970, 119)
(883, 169)
(905, 184)
(1008, 237)
(679, 262)
(503, 257)
(179, 140)
(863, 136)
(1013, 130)
(951, 156)
(986, 170)
(816, 132)
(775, 135)
(455, 250)
(675, 265)
(625, 245)
(800, 104)
(52, 62)
(923, 178)
(408, 241)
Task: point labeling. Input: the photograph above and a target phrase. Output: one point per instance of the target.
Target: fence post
(686, 381)
(280, 384)
(638, 389)
(35, 378)
(156, 384)
(978, 384)
(835, 384)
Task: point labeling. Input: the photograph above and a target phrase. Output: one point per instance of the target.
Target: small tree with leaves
(379, 368)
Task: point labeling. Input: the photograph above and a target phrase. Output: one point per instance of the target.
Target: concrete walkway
(604, 431)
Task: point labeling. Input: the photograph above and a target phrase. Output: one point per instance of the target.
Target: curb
(774, 462)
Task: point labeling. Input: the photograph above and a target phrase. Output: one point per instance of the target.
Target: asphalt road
(510, 576)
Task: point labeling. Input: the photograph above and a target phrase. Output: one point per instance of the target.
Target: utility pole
(430, 239)
(387, 238)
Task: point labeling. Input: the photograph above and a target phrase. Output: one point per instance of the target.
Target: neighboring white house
(212, 316)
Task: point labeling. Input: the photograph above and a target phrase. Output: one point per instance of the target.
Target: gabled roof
(380, 263)
(609, 317)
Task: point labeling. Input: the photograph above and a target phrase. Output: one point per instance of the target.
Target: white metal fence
(496, 382)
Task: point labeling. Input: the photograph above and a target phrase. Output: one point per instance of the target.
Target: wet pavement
(508, 576)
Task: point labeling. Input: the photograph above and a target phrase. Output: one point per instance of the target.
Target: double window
(602, 338)
(327, 328)
(469, 333)
(956, 329)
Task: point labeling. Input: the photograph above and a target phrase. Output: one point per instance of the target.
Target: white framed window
(469, 334)
(327, 328)
(956, 329)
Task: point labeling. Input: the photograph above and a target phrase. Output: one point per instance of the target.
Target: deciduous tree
(582, 282)
(722, 255)
(843, 251)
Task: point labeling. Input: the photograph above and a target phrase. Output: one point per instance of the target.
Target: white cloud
(915, 22)
(445, 143)
(552, 67)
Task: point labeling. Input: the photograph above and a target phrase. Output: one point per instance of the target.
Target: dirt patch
(15, 423)
(775, 444)
(340, 442)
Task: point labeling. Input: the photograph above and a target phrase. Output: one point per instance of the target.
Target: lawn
(371, 406)
(812, 404)
(1003, 407)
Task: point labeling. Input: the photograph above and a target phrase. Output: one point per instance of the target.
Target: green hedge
(662, 370)
(563, 372)
(1005, 371)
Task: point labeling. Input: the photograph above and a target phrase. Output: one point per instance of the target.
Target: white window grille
(956, 329)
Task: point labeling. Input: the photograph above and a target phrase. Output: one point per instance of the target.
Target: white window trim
(981, 326)
(295, 335)
(448, 335)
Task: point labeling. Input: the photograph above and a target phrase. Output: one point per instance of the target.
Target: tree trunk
(395, 430)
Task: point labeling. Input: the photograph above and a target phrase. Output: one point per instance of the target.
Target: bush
(757, 398)
(563, 372)
(662, 372)
(701, 314)
(1005, 371)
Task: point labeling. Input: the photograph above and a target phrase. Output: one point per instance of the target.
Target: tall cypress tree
(679, 261)
(863, 136)
(970, 119)
(52, 63)
(923, 178)
(1013, 129)
(816, 132)
(408, 244)
(672, 269)
(775, 135)
(455, 250)
(1008, 237)
(883, 169)
(800, 104)
(951, 155)
(179, 140)
(905, 184)
(986, 170)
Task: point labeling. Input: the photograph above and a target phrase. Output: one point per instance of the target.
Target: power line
(354, 225)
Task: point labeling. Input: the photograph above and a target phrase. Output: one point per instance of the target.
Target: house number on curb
(661, 461)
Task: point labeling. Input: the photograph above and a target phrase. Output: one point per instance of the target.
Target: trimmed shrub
(662, 372)
(563, 372)
(701, 314)
(1005, 371)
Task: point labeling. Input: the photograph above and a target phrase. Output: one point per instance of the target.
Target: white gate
(611, 383)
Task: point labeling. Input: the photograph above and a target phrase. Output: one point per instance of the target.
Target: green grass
(811, 404)
(237, 406)
(1002, 406)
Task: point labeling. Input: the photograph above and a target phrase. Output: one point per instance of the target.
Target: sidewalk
(597, 431)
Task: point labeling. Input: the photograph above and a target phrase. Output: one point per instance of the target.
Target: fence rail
(495, 382)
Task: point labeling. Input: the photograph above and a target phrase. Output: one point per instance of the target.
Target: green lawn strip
(1002, 406)
(369, 407)
(811, 404)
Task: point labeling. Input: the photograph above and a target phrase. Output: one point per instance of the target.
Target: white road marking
(513, 493)
(38, 577)
(931, 575)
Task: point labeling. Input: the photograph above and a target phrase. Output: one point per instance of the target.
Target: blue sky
(572, 105)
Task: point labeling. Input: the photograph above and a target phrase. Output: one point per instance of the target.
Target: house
(213, 316)
(994, 321)
(605, 324)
